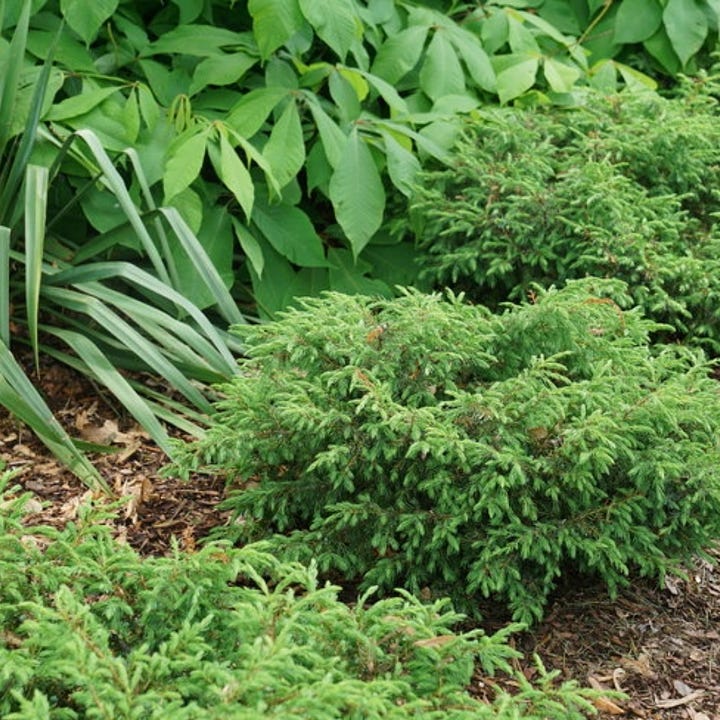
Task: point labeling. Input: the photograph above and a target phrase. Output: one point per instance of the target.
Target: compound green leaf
(660, 47)
(80, 104)
(336, 23)
(687, 27)
(221, 70)
(184, 165)
(189, 9)
(402, 165)
(560, 76)
(274, 23)
(475, 58)
(250, 246)
(441, 72)
(250, 114)
(198, 40)
(290, 232)
(357, 193)
(637, 20)
(285, 150)
(400, 53)
(520, 38)
(348, 275)
(86, 18)
(333, 139)
(634, 79)
(235, 176)
(386, 91)
(516, 77)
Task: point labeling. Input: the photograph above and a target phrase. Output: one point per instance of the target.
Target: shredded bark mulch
(659, 646)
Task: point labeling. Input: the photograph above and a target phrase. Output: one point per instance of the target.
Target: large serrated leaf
(336, 23)
(357, 193)
(285, 150)
(274, 23)
(400, 53)
(441, 72)
(184, 165)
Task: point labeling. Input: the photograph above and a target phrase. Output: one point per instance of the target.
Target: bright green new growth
(426, 443)
(624, 187)
(91, 631)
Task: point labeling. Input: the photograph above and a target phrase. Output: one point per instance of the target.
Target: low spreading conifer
(426, 443)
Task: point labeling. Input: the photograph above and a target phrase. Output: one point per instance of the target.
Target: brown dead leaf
(138, 490)
(597, 683)
(107, 434)
(682, 688)
(639, 666)
(69, 509)
(187, 539)
(605, 705)
(433, 642)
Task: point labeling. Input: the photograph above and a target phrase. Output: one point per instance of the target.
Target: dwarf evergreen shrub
(88, 630)
(429, 444)
(624, 187)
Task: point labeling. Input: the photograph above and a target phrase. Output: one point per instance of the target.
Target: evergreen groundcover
(426, 443)
(89, 630)
(622, 186)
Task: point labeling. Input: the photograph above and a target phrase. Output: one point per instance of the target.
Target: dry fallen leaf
(139, 489)
(639, 666)
(607, 706)
(434, 642)
(682, 688)
(107, 434)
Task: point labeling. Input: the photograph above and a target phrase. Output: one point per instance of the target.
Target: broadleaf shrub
(622, 187)
(91, 630)
(430, 444)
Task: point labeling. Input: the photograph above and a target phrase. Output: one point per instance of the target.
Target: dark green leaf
(441, 72)
(290, 232)
(687, 27)
(285, 150)
(86, 18)
(274, 23)
(400, 53)
(357, 193)
(637, 20)
(336, 23)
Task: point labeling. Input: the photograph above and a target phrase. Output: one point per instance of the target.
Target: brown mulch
(660, 646)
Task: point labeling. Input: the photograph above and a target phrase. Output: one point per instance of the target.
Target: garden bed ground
(661, 646)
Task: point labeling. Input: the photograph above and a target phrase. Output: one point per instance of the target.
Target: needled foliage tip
(428, 443)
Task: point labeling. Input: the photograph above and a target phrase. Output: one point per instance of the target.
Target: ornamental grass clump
(623, 187)
(426, 443)
(89, 630)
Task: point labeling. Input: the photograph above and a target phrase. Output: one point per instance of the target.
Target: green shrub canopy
(91, 631)
(429, 444)
(623, 187)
